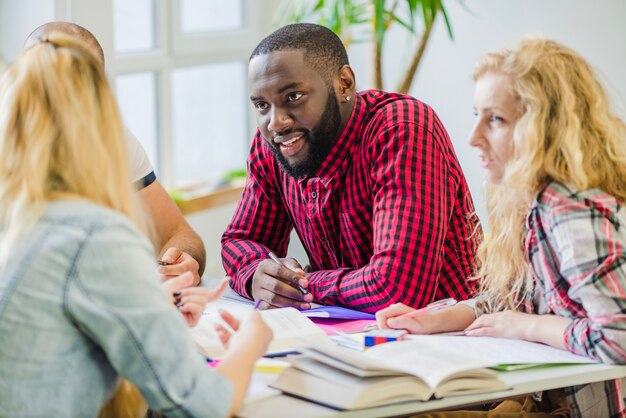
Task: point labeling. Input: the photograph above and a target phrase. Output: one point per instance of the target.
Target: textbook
(418, 369)
(290, 327)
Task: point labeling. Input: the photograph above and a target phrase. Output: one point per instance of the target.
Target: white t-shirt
(140, 164)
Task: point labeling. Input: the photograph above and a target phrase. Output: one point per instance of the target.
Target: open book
(291, 330)
(413, 370)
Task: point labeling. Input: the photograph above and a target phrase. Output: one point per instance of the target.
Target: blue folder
(337, 312)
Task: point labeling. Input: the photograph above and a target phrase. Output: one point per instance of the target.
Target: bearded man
(369, 180)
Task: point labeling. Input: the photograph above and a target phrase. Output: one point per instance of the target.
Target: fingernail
(304, 283)
(176, 294)
(177, 301)
(181, 307)
(308, 297)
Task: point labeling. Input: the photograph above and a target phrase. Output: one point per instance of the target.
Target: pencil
(277, 260)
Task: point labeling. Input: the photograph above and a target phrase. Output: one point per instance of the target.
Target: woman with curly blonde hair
(80, 301)
(554, 269)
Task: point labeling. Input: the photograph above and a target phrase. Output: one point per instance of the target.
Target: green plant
(347, 17)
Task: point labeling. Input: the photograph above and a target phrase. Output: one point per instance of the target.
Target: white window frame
(173, 50)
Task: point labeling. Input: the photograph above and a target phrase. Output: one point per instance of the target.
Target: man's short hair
(68, 28)
(323, 50)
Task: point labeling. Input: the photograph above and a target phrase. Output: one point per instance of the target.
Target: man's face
(297, 110)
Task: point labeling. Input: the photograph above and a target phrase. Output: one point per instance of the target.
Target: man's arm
(177, 241)
(260, 224)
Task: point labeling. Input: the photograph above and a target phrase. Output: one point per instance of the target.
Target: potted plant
(372, 18)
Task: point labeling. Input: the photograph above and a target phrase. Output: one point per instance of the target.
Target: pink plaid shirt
(388, 218)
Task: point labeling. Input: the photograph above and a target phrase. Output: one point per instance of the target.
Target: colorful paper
(337, 312)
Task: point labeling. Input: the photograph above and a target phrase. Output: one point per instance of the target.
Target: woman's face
(497, 114)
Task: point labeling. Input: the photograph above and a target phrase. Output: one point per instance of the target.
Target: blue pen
(257, 304)
(277, 260)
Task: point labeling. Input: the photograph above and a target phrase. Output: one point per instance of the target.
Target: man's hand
(279, 286)
(180, 263)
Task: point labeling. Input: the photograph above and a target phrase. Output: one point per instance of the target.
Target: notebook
(413, 370)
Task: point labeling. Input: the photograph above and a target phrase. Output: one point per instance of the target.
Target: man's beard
(321, 140)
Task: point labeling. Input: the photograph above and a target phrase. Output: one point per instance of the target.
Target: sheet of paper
(259, 387)
(289, 323)
(333, 326)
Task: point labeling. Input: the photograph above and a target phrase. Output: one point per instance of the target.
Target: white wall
(594, 29)
(18, 18)
(211, 224)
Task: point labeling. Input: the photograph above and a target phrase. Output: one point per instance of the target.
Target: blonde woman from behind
(554, 270)
(80, 301)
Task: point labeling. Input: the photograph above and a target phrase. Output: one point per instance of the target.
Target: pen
(432, 307)
(277, 260)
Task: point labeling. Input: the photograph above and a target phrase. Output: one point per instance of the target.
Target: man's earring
(347, 98)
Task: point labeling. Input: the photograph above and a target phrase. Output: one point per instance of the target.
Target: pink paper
(335, 326)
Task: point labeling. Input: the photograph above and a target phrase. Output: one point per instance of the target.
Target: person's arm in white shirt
(176, 242)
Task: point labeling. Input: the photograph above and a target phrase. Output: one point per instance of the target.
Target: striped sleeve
(260, 222)
(589, 241)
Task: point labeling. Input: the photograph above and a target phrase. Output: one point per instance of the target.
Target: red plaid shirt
(389, 218)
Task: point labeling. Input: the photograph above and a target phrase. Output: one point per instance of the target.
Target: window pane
(211, 15)
(133, 26)
(209, 121)
(136, 94)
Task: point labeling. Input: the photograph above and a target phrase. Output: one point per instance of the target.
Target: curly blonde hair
(567, 133)
(61, 136)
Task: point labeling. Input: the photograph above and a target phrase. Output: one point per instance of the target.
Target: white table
(521, 382)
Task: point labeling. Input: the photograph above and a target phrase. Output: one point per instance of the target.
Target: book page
(206, 338)
(502, 350)
(403, 361)
(291, 330)
(431, 362)
(434, 358)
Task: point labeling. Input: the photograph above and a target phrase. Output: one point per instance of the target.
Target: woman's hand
(251, 332)
(505, 324)
(547, 329)
(454, 318)
(392, 317)
(189, 300)
(246, 341)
